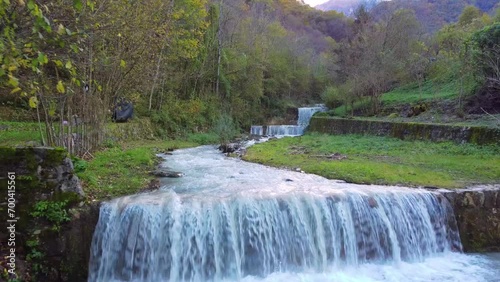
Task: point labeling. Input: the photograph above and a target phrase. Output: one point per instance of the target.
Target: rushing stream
(229, 220)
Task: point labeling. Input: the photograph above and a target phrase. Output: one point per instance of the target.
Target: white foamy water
(229, 220)
(445, 267)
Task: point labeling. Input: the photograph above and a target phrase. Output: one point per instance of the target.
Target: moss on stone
(406, 130)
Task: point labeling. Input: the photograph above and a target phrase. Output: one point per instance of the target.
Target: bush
(54, 212)
(79, 165)
(332, 97)
(225, 128)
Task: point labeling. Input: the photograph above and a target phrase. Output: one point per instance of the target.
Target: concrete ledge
(477, 211)
(407, 131)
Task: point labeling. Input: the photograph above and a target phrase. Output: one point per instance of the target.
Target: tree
(468, 15)
(485, 45)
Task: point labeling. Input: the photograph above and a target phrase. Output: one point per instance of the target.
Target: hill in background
(433, 14)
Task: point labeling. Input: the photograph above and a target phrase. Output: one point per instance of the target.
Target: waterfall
(257, 130)
(284, 130)
(166, 236)
(304, 116)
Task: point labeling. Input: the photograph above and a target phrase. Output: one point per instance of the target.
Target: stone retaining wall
(44, 251)
(412, 131)
(477, 211)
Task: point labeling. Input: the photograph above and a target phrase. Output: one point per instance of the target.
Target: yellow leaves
(13, 81)
(60, 87)
(177, 15)
(12, 68)
(68, 65)
(123, 64)
(91, 5)
(76, 81)
(52, 109)
(33, 102)
(60, 29)
(15, 90)
(58, 63)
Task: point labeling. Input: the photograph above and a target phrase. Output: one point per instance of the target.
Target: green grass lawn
(381, 160)
(123, 169)
(18, 133)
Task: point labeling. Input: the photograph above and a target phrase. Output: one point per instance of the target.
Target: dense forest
(199, 65)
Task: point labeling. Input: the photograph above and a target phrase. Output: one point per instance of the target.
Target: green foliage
(79, 165)
(183, 64)
(333, 97)
(488, 37)
(381, 160)
(181, 117)
(35, 257)
(54, 212)
(225, 128)
(485, 45)
(468, 15)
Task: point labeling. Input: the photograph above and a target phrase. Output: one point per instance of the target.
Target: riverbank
(383, 160)
(123, 168)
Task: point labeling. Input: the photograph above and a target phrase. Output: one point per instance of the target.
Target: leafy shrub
(332, 97)
(225, 128)
(54, 212)
(79, 165)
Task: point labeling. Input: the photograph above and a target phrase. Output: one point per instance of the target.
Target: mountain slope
(432, 13)
(345, 6)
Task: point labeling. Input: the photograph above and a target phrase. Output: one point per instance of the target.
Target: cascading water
(304, 116)
(257, 130)
(284, 130)
(230, 220)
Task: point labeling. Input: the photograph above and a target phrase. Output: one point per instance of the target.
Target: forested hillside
(433, 14)
(198, 65)
(187, 65)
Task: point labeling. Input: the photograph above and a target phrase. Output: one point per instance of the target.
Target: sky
(313, 3)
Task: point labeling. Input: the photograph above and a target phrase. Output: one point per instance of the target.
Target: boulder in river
(229, 147)
(166, 173)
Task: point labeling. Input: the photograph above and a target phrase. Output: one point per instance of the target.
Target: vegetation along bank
(383, 160)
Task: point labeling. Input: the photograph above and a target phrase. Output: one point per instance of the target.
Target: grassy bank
(123, 169)
(429, 92)
(381, 160)
(19, 133)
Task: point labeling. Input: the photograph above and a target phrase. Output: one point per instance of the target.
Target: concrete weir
(477, 211)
